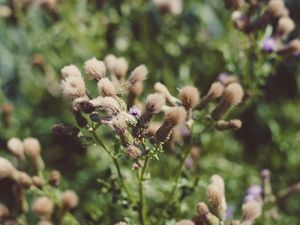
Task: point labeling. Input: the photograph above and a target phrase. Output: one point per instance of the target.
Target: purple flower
(229, 212)
(269, 44)
(249, 198)
(185, 132)
(189, 163)
(223, 77)
(135, 111)
(255, 190)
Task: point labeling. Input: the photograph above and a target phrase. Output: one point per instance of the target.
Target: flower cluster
(49, 204)
(118, 107)
(215, 212)
(253, 16)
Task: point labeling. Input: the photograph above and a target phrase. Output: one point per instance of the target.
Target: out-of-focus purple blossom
(255, 190)
(223, 77)
(250, 198)
(189, 163)
(229, 212)
(266, 174)
(185, 132)
(135, 111)
(269, 44)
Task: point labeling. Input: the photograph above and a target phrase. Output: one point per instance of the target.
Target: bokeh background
(193, 47)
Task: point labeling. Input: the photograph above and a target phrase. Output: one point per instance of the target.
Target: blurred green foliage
(193, 47)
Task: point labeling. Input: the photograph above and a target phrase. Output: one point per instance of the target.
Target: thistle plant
(31, 188)
(266, 28)
(143, 130)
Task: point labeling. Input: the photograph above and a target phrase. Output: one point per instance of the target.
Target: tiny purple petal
(255, 190)
(189, 162)
(269, 45)
(229, 212)
(223, 77)
(185, 132)
(249, 198)
(135, 111)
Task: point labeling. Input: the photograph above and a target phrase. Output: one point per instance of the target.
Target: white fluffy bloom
(73, 87)
(95, 68)
(70, 71)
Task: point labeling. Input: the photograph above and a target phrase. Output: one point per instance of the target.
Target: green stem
(142, 205)
(117, 165)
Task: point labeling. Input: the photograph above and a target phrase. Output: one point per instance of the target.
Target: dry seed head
(175, 116)
(294, 45)
(119, 123)
(4, 212)
(15, 145)
(43, 206)
(106, 87)
(110, 62)
(216, 90)
(189, 96)
(202, 209)
(24, 180)
(110, 105)
(120, 68)
(240, 20)
(133, 152)
(233, 94)
(276, 8)
(73, 87)
(218, 181)
(235, 124)
(137, 89)
(235, 222)
(37, 181)
(137, 75)
(285, 26)
(161, 89)
(32, 147)
(44, 222)
(95, 69)
(69, 199)
(251, 210)
(121, 223)
(214, 195)
(153, 128)
(70, 71)
(54, 178)
(185, 222)
(6, 169)
(154, 103)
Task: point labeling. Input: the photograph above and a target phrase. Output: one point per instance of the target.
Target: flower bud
(120, 68)
(215, 91)
(137, 75)
(4, 212)
(185, 222)
(44, 222)
(106, 88)
(202, 209)
(70, 71)
(37, 181)
(190, 97)
(43, 207)
(69, 199)
(173, 117)
(110, 62)
(54, 178)
(133, 152)
(276, 8)
(232, 96)
(24, 180)
(7, 169)
(285, 26)
(95, 69)
(73, 87)
(251, 210)
(15, 146)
